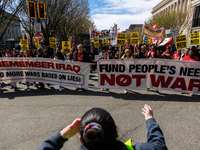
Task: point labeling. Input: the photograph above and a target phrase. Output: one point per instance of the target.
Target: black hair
(93, 139)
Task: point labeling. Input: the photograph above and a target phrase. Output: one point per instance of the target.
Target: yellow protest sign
(181, 41)
(66, 46)
(121, 42)
(52, 42)
(195, 38)
(104, 42)
(134, 35)
(121, 36)
(134, 38)
(24, 44)
(37, 43)
(134, 41)
(164, 36)
(107, 42)
(96, 42)
(148, 40)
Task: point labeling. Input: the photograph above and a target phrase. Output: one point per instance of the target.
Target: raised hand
(71, 129)
(147, 112)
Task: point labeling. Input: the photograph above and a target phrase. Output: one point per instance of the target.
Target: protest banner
(112, 32)
(149, 31)
(96, 42)
(66, 46)
(24, 44)
(52, 42)
(57, 72)
(181, 41)
(158, 74)
(37, 43)
(195, 38)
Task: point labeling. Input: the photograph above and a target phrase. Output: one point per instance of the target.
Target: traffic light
(41, 10)
(31, 9)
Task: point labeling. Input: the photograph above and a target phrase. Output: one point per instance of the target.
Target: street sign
(37, 27)
(39, 36)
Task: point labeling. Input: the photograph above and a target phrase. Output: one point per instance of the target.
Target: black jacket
(85, 56)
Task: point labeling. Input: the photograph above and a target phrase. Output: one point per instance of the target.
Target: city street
(30, 117)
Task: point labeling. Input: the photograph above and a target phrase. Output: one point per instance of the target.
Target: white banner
(158, 74)
(62, 73)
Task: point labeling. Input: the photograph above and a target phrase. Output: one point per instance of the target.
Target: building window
(197, 17)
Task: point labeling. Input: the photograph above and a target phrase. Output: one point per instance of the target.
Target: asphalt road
(27, 118)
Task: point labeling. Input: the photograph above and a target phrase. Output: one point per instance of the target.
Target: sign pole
(134, 50)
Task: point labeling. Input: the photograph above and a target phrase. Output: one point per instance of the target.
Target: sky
(105, 13)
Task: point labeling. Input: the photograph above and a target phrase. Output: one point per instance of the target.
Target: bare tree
(9, 10)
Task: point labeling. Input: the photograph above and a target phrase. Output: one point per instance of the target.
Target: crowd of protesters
(80, 53)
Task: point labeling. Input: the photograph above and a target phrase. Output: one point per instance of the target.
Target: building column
(177, 4)
(185, 6)
(180, 8)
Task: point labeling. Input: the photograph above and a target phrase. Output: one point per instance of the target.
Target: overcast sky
(122, 12)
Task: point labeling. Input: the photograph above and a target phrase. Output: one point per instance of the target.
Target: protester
(196, 52)
(45, 54)
(59, 56)
(186, 53)
(105, 56)
(69, 56)
(80, 55)
(91, 59)
(27, 82)
(152, 52)
(13, 83)
(118, 54)
(191, 56)
(167, 54)
(144, 51)
(98, 131)
(127, 55)
(157, 54)
(139, 54)
(39, 55)
(177, 55)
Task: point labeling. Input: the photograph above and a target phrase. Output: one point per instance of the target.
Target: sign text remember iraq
(179, 76)
(62, 73)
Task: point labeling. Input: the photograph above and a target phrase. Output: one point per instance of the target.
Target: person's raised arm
(155, 137)
(56, 142)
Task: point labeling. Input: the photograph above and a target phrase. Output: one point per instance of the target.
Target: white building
(13, 33)
(171, 5)
(192, 21)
